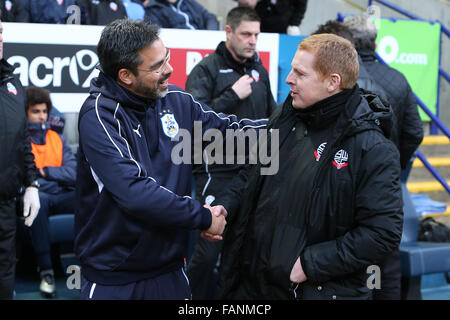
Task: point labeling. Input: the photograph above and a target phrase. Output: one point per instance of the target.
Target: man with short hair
(134, 211)
(234, 81)
(18, 169)
(334, 208)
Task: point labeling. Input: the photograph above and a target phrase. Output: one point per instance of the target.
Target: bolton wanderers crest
(340, 159)
(170, 125)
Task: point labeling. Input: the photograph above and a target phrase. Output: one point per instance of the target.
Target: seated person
(13, 11)
(101, 12)
(180, 14)
(56, 167)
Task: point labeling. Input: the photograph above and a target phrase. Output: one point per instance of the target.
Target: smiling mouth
(163, 81)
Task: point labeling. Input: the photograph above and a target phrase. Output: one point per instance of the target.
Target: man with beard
(134, 213)
(234, 81)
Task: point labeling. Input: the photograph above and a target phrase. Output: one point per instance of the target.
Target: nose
(290, 78)
(42, 117)
(168, 68)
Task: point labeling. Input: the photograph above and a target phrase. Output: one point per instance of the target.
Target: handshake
(214, 233)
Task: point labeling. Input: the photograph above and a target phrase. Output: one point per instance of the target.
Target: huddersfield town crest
(170, 125)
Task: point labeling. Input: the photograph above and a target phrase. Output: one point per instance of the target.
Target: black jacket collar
(107, 86)
(367, 55)
(6, 71)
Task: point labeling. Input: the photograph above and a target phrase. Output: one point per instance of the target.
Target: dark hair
(37, 95)
(337, 28)
(120, 43)
(239, 14)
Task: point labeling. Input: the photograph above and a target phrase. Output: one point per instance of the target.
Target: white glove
(293, 30)
(31, 205)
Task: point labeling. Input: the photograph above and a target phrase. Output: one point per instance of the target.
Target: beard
(144, 90)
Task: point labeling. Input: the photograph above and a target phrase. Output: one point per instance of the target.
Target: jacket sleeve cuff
(206, 219)
(305, 266)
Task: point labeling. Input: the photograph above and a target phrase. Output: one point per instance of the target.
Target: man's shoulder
(96, 101)
(211, 61)
(386, 72)
(176, 94)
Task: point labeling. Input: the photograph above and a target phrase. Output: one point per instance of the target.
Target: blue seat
(134, 10)
(418, 258)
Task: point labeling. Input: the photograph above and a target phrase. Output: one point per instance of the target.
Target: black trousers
(7, 248)
(205, 256)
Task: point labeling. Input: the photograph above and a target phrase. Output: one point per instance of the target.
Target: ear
(126, 76)
(334, 82)
(228, 30)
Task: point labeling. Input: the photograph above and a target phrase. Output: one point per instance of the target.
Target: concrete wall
(319, 11)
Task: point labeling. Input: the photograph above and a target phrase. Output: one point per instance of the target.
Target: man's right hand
(243, 87)
(214, 233)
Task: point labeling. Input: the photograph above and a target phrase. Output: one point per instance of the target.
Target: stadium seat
(61, 228)
(418, 258)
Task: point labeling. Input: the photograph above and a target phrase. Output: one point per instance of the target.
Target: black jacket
(184, 14)
(13, 11)
(211, 80)
(351, 218)
(48, 11)
(16, 160)
(101, 12)
(277, 17)
(408, 133)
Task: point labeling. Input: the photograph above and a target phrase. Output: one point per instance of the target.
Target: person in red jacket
(56, 169)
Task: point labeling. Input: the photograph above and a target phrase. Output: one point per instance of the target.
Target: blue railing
(432, 170)
(440, 125)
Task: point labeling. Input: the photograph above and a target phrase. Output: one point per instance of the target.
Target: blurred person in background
(278, 16)
(407, 131)
(13, 11)
(180, 14)
(102, 12)
(56, 169)
(18, 169)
